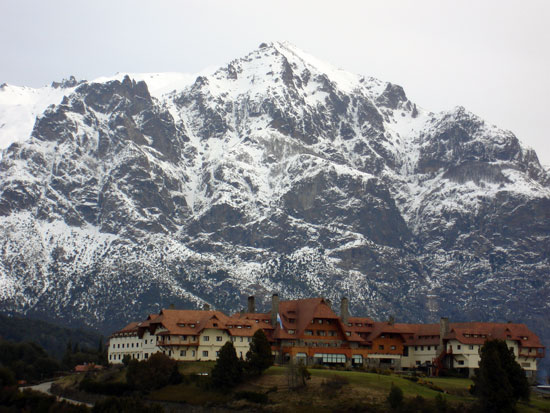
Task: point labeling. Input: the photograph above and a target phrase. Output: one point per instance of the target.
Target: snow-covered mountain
(277, 172)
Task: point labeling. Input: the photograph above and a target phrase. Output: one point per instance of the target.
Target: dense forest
(52, 338)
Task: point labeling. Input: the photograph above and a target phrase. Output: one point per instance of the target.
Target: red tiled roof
(466, 332)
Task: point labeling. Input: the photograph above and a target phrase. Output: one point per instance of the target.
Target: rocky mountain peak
(277, 172)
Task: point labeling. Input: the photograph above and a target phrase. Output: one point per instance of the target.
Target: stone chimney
(344, 310)
(274, 309)
(206, 307)
(443, 331)
(251, 304)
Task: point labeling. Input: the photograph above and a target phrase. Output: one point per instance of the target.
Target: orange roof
(477, 333)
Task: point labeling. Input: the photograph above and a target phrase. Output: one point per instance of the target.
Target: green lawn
(456, 388)
(195, 367)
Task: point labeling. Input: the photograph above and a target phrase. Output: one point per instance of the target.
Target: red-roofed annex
(309, 330)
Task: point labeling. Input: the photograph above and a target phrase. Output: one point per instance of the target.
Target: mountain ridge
(305, 180)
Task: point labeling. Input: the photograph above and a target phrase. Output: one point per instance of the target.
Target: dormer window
(215, 324)
(192, 325)
(239, 326)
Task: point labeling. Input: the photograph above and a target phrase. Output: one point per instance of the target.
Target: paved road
(45, 388)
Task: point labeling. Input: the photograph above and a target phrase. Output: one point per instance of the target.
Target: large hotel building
(309, 330)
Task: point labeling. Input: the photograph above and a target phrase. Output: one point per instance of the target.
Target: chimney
(206, 307)
(443, 331)
(251, 304)
(344, 311)
(274, 309)
(329, 303)
(391, 320)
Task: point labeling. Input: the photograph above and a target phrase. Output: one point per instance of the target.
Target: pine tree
(259, 357)
(499, 382)
(227, 372)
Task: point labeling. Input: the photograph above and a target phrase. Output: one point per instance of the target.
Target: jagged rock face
(276, 173)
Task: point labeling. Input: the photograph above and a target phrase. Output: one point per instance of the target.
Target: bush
(156, 372)
(125, 405)
(253, 397)
(106, 388)
(395, 398)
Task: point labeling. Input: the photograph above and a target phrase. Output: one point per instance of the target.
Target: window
(321, 333)
(119, 345)
(458, 347)
(249, 339)
(132, 345)
(206, 338)
(241, 339)
(471, 347)
(240, 354)
(332, 333)
(348, 333)
(218, 338)
(205, 353)
(146, 355)
(525, 364)
(429, 348)
(122, 345)
(392, 347)
(183, 353)
(415, 348)
(320, 321)
(193, 352)
(291, 331)
(137, 356)
(418, 362)
(184, 338)
(421, 348)
(217, 354)
(381, 347)
(215, 324)
(460, 362)
(308, 332)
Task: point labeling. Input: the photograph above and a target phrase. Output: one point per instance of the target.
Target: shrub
(253, 397)
(395, 398)
(125, 405)
(157, 371)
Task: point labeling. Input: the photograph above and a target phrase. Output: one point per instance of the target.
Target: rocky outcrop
(275, 173)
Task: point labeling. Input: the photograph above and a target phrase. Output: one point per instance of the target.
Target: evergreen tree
(228, 369)
(499, 382)
(259, 357)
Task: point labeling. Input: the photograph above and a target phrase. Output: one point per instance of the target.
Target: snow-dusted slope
(275, 173)
(19, 107)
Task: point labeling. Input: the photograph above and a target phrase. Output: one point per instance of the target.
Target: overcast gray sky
(493, 57)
